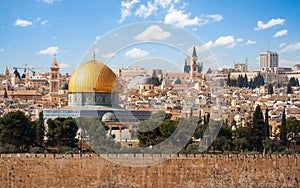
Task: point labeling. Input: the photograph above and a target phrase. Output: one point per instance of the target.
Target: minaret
(54, 81)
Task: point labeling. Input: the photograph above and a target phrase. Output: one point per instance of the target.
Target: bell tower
(54, 81)
(194, 63)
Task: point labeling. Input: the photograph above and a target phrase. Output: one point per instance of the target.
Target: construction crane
(32, 70)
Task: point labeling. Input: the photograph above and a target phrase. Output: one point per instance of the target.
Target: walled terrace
(92, 170)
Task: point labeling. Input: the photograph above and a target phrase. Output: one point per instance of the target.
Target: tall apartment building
(268, 61)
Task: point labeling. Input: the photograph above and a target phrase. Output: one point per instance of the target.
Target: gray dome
(64, 86)
(145, 80)
(108, 117)
(177, 81)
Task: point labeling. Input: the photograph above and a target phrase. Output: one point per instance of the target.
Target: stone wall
(30, 170)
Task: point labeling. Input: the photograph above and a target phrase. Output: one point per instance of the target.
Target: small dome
(146, 80)
(109, 117)
(64, 86)
(177, 81)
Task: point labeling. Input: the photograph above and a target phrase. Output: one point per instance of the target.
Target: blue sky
(32, 31)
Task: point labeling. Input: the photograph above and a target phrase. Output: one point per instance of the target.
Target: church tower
(6, 73)
(194, 63)
(54, 81)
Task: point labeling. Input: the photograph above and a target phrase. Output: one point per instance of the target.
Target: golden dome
(93, 76)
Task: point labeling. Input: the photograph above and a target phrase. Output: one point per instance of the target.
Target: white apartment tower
(268, 61)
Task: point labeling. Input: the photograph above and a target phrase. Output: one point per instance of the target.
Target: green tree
(223, 140)
(258, 80)
(283, 131)
(153, 131)
(16, 130)
(62, 132)
(257, 130)
(241, 139)
(98, 133)
(292, 126)
(293, 129)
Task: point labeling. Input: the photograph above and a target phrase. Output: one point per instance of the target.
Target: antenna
(94, 55)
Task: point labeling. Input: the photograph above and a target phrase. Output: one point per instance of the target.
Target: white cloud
(98, 37)
(126, 7)
(203, 47)
(49, 1)
(109, 55)
(205, 19)
(1, 50)
(280, 33)
(227, 41)
(286, 62)
(250, 42)
(273, 22)
(282, 45)
(22, 23)
(40, 21)
(165, 3)
(215, 17)
(146, 11)
(44, 22)
(291, 47)
(240, 40)
(63, 65)
(180, 19)
(136, 53)
(154, 32)
(174, 12)
(51, 50)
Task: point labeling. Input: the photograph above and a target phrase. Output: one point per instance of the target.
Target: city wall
(48, 170)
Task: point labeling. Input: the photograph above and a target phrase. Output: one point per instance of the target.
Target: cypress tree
(5, 94)
(267, 126)
(283, 129)
(270, 89)
(289, 89)
(257, 131)
(246, 83)
(228, 80)
(40, 130)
